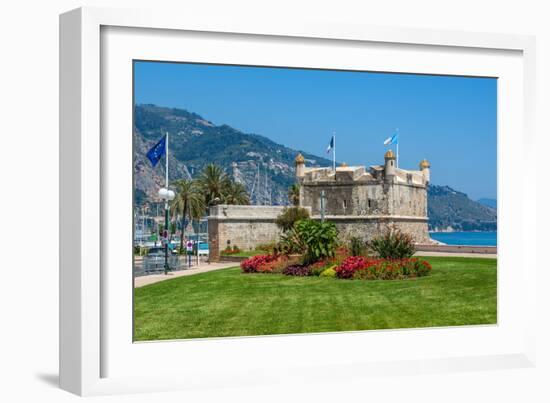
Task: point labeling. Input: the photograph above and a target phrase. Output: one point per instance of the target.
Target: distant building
(363, 202)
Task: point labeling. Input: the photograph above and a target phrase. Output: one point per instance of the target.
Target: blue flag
(392, 140)
(330, 145)
(157, 151)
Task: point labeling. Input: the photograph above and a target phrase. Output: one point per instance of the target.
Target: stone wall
(249, 226)
(366, 227)
(365, 199)
(244, 226)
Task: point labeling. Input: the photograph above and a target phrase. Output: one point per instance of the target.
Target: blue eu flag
(157, 151)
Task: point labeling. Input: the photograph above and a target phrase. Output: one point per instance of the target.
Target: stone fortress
(361, 202)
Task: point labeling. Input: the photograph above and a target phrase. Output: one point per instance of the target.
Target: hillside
(488, 202)
(196, 142)
(450, 208)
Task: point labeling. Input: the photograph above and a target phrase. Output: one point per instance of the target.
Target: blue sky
(451, 121)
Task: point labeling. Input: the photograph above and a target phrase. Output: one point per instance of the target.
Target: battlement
(375, 174)
(360, 174)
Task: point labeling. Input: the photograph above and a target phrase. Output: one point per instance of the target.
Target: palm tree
(294, 194)
(235, 193)
(212, 182)
(189, 202)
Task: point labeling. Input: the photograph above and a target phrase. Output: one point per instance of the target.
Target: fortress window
(370, 203)
(344, 203)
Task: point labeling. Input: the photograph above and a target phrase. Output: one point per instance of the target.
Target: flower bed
(382, 269)
(340, 266)
(253, 264)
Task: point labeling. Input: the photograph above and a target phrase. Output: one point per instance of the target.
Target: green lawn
(460, 291)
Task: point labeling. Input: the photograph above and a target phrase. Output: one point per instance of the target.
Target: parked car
(154, 259)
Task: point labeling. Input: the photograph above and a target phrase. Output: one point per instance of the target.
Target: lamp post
(166, 195)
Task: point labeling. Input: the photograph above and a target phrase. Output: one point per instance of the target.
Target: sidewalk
(456, 254)
(203, 268)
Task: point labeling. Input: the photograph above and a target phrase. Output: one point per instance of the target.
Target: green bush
(318, 267)
(320, 239)
(393, 244)
(330, 272)
(290, 216)
(290, 243)
(357, 247)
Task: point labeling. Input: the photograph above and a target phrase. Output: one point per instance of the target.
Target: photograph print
(275, 201)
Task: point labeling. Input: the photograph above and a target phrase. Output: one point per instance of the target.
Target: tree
(235, 193)
(189, 202)
(212, 182)
(294, 194)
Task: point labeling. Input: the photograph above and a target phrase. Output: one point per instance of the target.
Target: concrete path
(203, 268)
(456, 254)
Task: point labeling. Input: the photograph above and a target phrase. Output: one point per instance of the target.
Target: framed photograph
(238, 196)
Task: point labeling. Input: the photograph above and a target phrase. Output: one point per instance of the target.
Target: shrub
(350, 265)
(297, 270)
(252, 264)
(382, 270)
(227, 251)
(278, 264)
(290, 216)
(318, 267)
(357, 246)
(393, 269)
(290, 243)
(318, 237)
(393, 244)
(330, 272)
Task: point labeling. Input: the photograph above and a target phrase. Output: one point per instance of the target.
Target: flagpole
(397, 159)
(167, 162)
(334, 152)
(397, 149)
(166, 267)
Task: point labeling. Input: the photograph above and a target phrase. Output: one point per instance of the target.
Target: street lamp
(166, 195)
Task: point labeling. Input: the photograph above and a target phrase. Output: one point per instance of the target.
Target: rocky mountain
(488, 202)
(449, 209)
(263, 166)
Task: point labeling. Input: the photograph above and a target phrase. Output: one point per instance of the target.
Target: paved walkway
(456, 254)
(203, 268)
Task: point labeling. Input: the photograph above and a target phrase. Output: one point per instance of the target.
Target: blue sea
(466, 238)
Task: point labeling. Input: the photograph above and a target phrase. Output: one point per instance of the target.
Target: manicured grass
(460, 291)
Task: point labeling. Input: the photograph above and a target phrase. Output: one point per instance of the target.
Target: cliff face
(454, 210)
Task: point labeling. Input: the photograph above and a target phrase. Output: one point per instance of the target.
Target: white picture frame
(90, 358)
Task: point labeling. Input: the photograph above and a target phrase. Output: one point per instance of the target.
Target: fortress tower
(363, 202)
